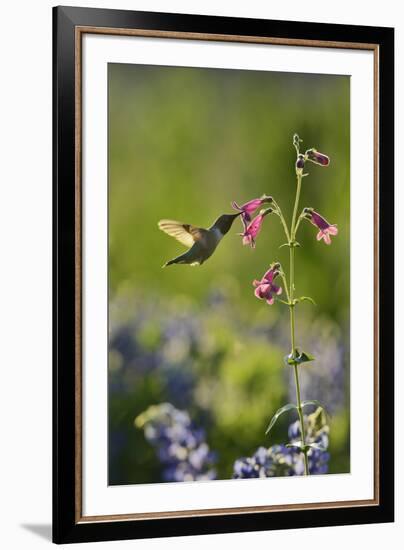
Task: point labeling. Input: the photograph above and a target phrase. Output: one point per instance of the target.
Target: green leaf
(315, 446)
(315, 403)
(291, 244)
(298, 444)
(305, 357)
(278, 413)
(305, 448)
(298, 357)
(306, 299)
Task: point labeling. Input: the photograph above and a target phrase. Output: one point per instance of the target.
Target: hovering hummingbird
(201, 242)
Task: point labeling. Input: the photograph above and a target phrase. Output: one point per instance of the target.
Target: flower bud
(300, 162)
(318, 158)
(296, 140)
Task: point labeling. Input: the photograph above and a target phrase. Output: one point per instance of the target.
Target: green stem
(285, 227)
(300, 413)
(285, 284)
(292, 320)
(298, 223)
(293, 228)
(291, 297)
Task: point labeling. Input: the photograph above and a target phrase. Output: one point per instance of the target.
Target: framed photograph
(223, 275)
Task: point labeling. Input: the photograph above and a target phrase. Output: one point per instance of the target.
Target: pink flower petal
(252, 205)
(327, 238)
(260, 292)
(255, 226)
(269, 275)
(257, 293)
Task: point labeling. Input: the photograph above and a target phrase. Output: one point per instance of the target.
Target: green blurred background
(184, 143)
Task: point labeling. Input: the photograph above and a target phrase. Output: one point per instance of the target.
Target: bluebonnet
(276, 461)
(158, 350)
(180, 445)
(175, 342)
(282, 460)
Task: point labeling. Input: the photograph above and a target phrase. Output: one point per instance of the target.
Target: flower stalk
(292, 240)
(266, 288)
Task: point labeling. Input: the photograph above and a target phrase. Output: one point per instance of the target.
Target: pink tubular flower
(253, 228)
(250, 207)
(318, 158)
(325, 228)
(265, 289)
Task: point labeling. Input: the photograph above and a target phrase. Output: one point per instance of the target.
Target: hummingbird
(201, 242)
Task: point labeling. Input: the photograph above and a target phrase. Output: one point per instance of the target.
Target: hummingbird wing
(185, 233)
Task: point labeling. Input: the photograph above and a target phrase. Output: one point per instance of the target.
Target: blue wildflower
(179, 444)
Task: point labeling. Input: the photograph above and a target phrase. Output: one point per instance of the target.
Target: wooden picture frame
(71, 24)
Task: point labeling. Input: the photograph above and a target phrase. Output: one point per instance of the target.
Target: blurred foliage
(184, 143)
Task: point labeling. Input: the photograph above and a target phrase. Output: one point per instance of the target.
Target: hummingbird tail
(170, 262)
(182, 259)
